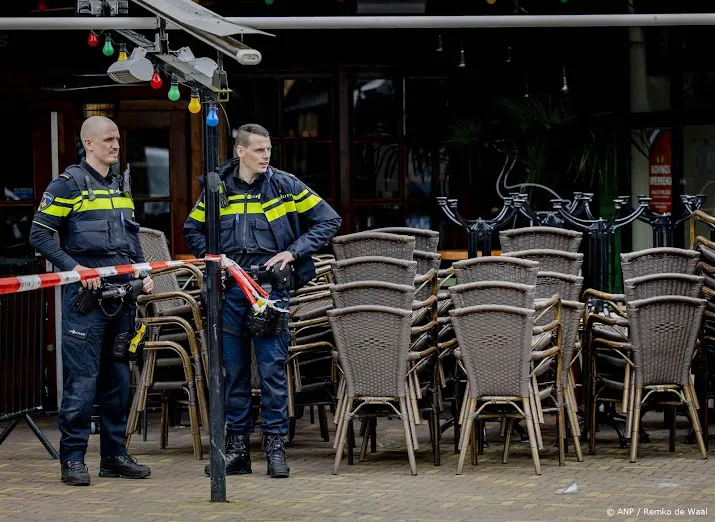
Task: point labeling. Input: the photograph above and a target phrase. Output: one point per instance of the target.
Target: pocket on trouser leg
(78, 354)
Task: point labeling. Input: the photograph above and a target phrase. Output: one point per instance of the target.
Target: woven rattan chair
(529, 238)
(502, 293)
(659, 261)
(568, 287)
(495, 342)
(373, 347)
(425, 240)
(380, 293)
(655, 285)
(363, 244)
(551, 260)
(496, 268)
(664, 332)
(374, 268)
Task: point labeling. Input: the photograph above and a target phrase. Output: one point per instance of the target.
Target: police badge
(46, 200)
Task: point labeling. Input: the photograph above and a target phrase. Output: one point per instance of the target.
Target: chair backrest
(380, 293)
(156, 248)
(655, 285)
(426, 261)
(566, 286)
(502, 293)
(664, 331)
(496, 268)
(662, 260)
(495, 343)
(426, 240)
(707, 254)
(529, 238)
(374, 268)
(371, 243)
(551, 260)
(373, 345)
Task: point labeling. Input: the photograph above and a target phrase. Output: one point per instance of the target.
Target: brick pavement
(379, 489)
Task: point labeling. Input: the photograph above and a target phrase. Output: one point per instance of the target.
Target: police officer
(90, 206)
(269, 218)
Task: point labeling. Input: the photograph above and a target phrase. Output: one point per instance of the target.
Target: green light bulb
(174, 93)
(269, 2)
(108, 49)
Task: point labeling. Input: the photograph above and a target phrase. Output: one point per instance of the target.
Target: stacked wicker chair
(174, 356)
(641, 341)
(499, 348)
(556, 252)
(381, 281)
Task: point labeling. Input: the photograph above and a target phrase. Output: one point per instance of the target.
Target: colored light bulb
(108, 48)
(93, 40)
(269, 2)
(156, 82)
(491, 2)
(122, 52)
(195, 103)
(212, 116)
(174, 93)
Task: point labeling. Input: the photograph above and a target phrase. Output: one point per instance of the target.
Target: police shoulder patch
(46, 200)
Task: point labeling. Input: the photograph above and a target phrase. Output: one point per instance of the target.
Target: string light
(108, 48)
(565, 86)
(195, 103)
(122, 52)
(174, 93)
(462, 62)
(156, 82)
(42, 5)
(93, 39)
(439, 43)
(212, 116)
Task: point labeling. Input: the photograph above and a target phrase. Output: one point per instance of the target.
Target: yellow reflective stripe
(299, 196)
(198, 215)
(244, 196)
(99, 191)
(106, 204)
(68, 201)
(271, 202)
(307, 203)
(43, 225)
(280, 210)
(238, 208)
(56, 210)
(123, 202)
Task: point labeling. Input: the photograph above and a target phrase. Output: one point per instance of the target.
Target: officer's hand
(92, 284)
(147, 285)
(283, 258)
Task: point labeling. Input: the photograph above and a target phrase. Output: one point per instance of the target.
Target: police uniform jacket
(94, 217)
(296, 220)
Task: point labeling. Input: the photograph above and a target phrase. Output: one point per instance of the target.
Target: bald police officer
(90, 207)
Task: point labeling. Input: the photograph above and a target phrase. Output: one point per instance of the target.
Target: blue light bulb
(212, 116)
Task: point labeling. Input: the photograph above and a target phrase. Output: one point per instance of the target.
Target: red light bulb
(93, 39)
(42, 5)
(156, 81)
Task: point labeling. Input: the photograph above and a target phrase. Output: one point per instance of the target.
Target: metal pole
(373, 22)
(214, 323)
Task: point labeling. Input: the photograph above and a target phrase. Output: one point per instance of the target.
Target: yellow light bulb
(194, 105)
(122, 53)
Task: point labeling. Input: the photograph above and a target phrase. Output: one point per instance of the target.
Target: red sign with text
(660, 170)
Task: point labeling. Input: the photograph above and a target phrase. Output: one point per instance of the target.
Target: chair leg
(365, 431)
(575, 432)
(468, 434)
(636, 423)
(164, 438)
(530, 421)
(695, 420)
(408, 436)
(194, 421)
(323, 422)
(507, 438)
(343, 436)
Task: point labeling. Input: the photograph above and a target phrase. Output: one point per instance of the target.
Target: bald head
(100, 137)
(94, 126)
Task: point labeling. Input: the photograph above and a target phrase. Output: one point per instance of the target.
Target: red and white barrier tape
(14, 284)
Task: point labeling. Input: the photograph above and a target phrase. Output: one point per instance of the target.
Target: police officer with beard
(91, 209)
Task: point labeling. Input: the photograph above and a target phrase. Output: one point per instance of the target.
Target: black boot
(74, 473)
(276, 457)
(123, 466)
(238, 456)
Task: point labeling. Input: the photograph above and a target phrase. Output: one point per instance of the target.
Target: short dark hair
(243, 137)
